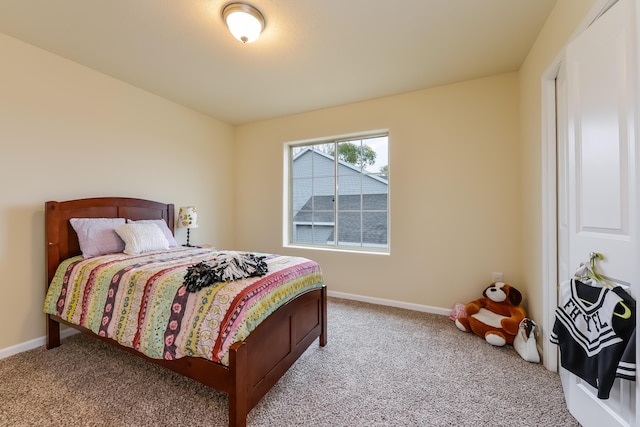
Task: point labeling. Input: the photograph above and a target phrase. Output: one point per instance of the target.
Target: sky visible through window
(380, 146)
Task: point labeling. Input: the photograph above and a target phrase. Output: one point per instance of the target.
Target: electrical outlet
(496, 277)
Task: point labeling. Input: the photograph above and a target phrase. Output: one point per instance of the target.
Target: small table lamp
(188, 218)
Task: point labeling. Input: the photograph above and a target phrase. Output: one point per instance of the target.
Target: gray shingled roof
(373, 225)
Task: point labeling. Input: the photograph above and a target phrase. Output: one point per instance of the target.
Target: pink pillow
(97, 236)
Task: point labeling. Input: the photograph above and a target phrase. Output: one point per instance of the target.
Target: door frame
(549, 248)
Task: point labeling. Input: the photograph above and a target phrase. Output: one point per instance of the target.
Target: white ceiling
(312, 53)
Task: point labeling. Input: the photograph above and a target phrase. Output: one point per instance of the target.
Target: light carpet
(382, 366)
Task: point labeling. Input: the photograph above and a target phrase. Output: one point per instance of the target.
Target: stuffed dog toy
(496, 316)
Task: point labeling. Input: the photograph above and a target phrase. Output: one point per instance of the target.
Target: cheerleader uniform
(593, 330)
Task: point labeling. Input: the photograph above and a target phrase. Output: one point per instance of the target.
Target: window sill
(337, 249)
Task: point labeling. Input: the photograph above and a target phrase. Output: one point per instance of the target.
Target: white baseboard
(38, 342)
(34, 343)
(391, 303)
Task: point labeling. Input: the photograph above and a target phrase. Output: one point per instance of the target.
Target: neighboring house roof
(322, 207)
(319, 210)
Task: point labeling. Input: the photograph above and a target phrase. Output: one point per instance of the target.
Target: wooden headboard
(61, 241)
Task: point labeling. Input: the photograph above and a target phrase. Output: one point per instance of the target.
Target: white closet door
(599, 178)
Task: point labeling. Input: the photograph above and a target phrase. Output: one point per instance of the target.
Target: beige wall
(465, 168)
(561, 25)
(69, 132)
(454, 190)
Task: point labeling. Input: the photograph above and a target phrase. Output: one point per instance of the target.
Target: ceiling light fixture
(244, 21)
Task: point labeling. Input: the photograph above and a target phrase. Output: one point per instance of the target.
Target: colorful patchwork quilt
(141, 301)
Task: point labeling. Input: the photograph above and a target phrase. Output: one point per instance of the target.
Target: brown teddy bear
(496, 316)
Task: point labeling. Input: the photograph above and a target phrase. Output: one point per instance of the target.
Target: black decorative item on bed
(225, 267)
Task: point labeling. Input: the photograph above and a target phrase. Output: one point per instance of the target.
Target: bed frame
(255, 364)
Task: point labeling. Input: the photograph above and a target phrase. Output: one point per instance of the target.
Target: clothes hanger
(594, 276)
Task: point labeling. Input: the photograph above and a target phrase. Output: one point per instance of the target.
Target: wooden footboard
(255, 364)
(272, 348)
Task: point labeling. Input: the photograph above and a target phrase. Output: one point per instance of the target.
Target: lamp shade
(188, 217)
(244, 21)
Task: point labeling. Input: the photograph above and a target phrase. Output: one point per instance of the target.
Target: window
(340, 201)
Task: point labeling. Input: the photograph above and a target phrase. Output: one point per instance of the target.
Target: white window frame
(288, 223)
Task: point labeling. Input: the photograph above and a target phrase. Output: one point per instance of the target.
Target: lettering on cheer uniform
(574, 311)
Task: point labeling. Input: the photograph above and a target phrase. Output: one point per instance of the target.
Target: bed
(250, 366)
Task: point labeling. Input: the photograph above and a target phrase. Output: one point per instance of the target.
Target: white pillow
(163, 227)
(140, 238)
(97, 236)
